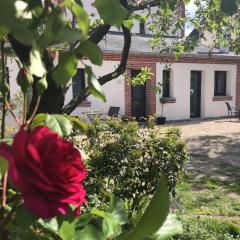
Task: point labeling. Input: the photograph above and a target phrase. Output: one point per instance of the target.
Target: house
(196, 86)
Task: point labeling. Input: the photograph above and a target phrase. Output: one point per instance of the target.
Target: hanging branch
(106, 78)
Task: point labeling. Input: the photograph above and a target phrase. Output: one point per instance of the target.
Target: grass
(209, 208)
(209, 229)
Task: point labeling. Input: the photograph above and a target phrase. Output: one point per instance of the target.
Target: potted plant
(160, 120)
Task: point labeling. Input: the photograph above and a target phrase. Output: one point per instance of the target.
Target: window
(166, 84)
(220, 83)
(78, 82)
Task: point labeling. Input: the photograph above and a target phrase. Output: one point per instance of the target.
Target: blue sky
(191, 8)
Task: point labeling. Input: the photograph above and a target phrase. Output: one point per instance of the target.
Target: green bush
(128, 161)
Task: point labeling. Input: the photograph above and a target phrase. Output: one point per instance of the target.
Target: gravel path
(220, 127)
(214, 146)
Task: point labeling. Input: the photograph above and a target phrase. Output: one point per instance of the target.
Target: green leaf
(42, 86)
(91, 51)
(3, 31)
(37, 67)
(110, 226)
(19, 30)
(66, 69)
(170, 228)
(111, 11)
(11, 18)
(155, 214)
(94, 85)
(128, 23)
(38, 120)
(84, 219)
(68, 34)
(59, 124)
(57, 31)
(67, 230)
(24, 218)
(118, 210)
(67, 225)
(3, 166)
(51, 224)
(98, 213)
(80, 14)
(89, 233)
(82, 126)
(56, 122)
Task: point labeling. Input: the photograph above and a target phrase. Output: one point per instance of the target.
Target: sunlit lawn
(208, 208)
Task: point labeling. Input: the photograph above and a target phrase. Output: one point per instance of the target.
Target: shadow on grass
(215, 156)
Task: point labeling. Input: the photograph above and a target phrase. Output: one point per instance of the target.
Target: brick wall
(136, 61)
(150, 95)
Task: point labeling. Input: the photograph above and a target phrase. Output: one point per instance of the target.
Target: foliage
(128, 161)
(209, 228)
(144, 76)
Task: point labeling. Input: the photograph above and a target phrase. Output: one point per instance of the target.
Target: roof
(142, 44)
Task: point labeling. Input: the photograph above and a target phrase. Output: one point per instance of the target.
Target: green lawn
(208, 208)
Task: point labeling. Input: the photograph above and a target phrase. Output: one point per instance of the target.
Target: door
(195, 94)
(138, 100)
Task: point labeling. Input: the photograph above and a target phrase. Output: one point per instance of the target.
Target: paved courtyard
(214, 146)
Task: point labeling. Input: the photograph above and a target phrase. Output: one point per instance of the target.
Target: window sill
(85, 104)
(168, 100)
(222, 98)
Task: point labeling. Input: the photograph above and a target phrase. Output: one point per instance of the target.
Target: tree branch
(152, 3)
(69, 108)
(97, 34)
(21, 50)
(123, 63)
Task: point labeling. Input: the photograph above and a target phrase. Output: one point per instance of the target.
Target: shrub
(128, 161)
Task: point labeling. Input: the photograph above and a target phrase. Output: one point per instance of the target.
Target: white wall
(113, 90)
(14, 88)
(180, 89)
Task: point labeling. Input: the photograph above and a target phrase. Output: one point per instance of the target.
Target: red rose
(47, 170)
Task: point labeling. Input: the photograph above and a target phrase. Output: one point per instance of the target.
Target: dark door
(138, 98)
(195, 94)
